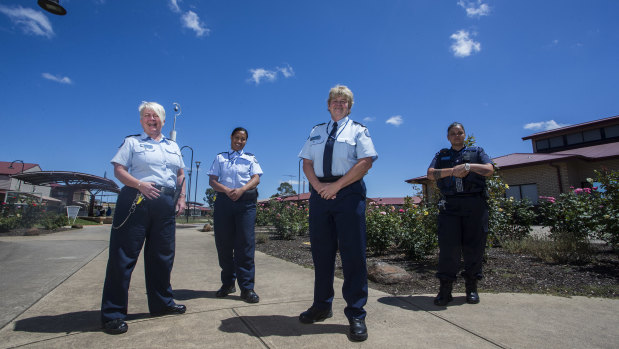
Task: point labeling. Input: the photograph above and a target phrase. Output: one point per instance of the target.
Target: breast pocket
(348, 146)
(173, 159)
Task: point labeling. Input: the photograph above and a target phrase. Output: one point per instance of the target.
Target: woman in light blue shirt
(235, 175)
(151, 168)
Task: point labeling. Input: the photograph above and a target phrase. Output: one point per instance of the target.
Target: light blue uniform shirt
(352, 143)
(151, 161)
(234, 168)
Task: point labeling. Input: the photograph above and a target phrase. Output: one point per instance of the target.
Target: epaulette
(444, 151)
(319, 125)
(223, 152)
(250, 154)
(121, 144)
(358, 123)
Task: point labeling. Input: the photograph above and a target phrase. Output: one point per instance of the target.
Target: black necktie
(327, 159)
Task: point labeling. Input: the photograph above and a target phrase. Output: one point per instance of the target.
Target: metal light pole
(177, 109)
(196, 192)
(189, 187)
(22, 171)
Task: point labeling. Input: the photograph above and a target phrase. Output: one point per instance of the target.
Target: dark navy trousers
(152, 222)
(333, 224)
(462, 231)
(235, 240)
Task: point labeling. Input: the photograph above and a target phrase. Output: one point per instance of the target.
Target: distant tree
(210, 197)
(284, 189)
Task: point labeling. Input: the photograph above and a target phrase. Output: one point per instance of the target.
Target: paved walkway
(55, 304)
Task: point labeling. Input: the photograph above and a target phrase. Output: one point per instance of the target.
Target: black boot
(444, 294)
(471, 291)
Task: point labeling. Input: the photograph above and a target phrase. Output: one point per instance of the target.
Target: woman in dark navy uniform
(235, 175)
(151, 168)
(460, 173)
(336, 156)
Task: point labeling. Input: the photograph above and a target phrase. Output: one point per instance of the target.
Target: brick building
(562, 158)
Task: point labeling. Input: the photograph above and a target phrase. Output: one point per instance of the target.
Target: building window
(611, 131)
(523, 191)
(592, 135)
(556, 142)
(574, 138)
(542, 144)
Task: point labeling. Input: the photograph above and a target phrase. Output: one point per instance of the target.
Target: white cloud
(463, 45)
(191, 20)
(259, 75)
(286, 71)
(475, 8)
(30, 21)
(173, 4)
(59, 79)
(369, 119)
(543, 125)
(395, 120)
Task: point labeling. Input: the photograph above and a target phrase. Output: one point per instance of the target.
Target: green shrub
(382, 226)
(51, 221)
(418, 237)
(607, 212)
(290, 219)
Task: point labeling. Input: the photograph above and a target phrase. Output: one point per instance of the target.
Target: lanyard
(337, 133)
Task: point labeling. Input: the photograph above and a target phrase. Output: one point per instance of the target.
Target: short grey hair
(154, 106)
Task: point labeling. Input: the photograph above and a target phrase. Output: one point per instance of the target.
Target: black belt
(329, 179)
(165, 190)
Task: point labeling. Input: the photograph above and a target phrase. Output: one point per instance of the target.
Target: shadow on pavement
(278, 325)
(183, 295)
(80, 321)
(418, 303)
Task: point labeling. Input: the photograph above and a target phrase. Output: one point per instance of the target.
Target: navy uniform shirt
(151, 161)
(448, 158)
(352, 142)
(234, 168)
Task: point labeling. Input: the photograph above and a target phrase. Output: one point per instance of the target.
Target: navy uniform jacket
(447, 158)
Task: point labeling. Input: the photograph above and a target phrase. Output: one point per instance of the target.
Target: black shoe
(312, 315)
(358, 331)
(471, 291)
(171, 310)
(225, 290)
(249, 296)
(116, 326)
(444, 295)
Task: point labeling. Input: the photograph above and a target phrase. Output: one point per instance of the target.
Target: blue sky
(71, 84)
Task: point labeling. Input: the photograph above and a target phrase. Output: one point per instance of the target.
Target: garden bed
(504, 271)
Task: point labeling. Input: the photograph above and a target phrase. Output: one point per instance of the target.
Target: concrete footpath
(50, 294)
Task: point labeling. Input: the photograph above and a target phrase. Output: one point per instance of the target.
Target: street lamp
(177, 109)
(52, 6)
(22, 171)
(196, 192)
(189, 187)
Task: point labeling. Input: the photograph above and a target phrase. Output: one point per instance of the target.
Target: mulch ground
(503, 271)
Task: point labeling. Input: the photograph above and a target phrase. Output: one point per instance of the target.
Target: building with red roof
(562, 158)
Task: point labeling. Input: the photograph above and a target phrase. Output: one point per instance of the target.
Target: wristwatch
(467, 167)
